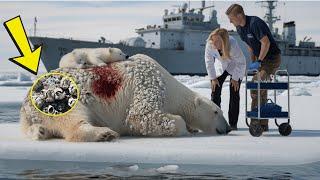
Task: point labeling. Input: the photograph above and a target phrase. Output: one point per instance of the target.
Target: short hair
(235, 9)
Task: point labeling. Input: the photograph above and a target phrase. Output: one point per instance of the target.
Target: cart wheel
(285, 129)
(247, 122)
(256, 130)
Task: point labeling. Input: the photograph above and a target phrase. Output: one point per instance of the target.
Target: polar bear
(86, 57)
(127, 98)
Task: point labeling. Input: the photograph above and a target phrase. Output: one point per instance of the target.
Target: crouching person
(222, 49)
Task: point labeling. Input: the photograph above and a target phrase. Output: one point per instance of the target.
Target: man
(264, 51)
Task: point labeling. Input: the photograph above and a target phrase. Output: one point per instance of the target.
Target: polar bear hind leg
(74, 126)
(85, 132)
(38, 132)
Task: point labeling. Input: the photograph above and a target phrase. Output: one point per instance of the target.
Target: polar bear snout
(222, 126)
(116, 54)
(210, 117)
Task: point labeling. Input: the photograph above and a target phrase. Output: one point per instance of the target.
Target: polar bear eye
(216, 112)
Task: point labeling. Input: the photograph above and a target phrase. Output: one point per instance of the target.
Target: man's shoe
(265, 127)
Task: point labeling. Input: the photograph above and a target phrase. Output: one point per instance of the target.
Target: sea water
(27, 169)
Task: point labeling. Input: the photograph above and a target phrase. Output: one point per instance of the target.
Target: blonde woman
(223, 50)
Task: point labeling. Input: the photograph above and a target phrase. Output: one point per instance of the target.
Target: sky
(118, 20)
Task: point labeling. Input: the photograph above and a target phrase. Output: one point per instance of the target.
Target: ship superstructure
(178, 43)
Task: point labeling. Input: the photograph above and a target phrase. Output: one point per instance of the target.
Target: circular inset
(54, 94)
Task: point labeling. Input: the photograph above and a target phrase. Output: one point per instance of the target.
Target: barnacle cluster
(145, 115)
(54, 93)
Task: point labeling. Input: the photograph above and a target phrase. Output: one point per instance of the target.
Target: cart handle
(252, 70)
(283, 70)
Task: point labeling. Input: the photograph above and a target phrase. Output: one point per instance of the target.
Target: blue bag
(269, 107)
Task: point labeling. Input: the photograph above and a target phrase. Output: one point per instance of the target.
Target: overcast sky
(118, 20)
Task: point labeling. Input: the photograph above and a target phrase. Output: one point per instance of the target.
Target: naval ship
(179, 43)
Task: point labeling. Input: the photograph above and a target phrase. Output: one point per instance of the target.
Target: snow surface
(236, 148)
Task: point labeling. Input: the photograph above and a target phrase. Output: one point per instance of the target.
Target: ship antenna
(269, 17)
(35, 26)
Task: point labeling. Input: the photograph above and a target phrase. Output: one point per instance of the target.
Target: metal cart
(256, 129)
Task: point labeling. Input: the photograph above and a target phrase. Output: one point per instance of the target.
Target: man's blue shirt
(254, 30)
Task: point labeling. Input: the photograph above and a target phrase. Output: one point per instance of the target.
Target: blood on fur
(109, 82)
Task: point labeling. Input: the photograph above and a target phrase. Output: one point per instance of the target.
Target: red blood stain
(109, 82)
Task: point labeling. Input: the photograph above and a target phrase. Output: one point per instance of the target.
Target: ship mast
(35, 26)
(203, 6)
(269, 16)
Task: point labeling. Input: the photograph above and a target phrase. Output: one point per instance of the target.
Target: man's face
(235, 19)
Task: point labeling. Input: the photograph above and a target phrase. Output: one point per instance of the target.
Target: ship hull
(175, 61)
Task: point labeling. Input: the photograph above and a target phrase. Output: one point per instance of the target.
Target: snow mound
(23, 77)
(168, 169)
(19, 79)
(6, 77)
(126, 168)
(16, 83)
(299, 91)
(134, 168)
(189, 80)
(314, 84)
(201, 84)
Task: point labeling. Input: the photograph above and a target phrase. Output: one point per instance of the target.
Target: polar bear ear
(197, 101)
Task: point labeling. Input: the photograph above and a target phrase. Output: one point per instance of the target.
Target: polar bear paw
(38, 132)
(101, 64)
(107, 136)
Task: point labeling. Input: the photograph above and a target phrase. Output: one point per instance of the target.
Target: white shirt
(235, 66)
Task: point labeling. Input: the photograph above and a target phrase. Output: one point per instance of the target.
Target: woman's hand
(235, 85)
(214, 83)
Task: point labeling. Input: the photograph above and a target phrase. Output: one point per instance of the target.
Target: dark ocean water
(25, 169)
(9, 112)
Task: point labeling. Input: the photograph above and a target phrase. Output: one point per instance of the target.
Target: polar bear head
(209, 117)
(115, 54)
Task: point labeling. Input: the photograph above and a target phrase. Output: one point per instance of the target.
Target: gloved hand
(255, 65)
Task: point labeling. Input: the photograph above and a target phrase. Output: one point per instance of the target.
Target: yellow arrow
(29, 59)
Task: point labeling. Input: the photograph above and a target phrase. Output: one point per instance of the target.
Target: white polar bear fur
(86, 57)
(151, 102)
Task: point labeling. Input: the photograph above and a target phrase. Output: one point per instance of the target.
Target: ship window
(197, 19)
(184, 18)
(165, 20)
(174, 19)
(156, 33)
(178, 18)
(141, 34)
(169, 19)
(171, 34)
